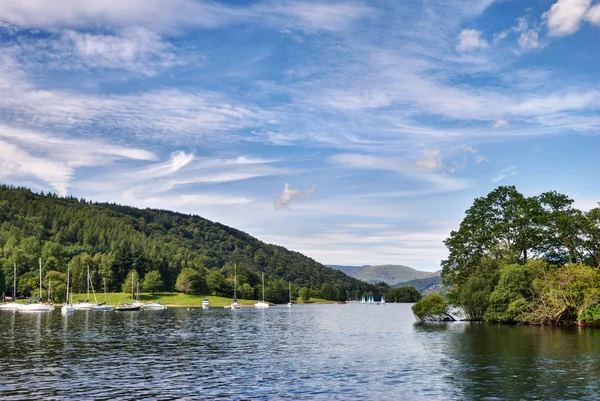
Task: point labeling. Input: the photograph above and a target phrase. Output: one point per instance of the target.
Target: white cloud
(469, 40)
(565, 16)
(178, 160)
(431, 161)
(505, 173)
(179, 14)
(135, 49)
(54, 159)
(289, 195)
(529, 40)
(593, 15)
(500, 124)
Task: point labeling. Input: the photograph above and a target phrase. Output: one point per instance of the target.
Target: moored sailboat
(12, 305)
(262, 304)
(129, 307)
(37, 305)
(67, 307)
(234, 305)
(290, 290)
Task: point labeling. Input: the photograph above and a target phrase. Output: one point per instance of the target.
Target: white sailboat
(85, 305)
(67, 307)
(137, 301)
(290, 289)
(102, 306)
(12, 305)
(235, 305)
(262, 304)
(129, 307)
(37, 305)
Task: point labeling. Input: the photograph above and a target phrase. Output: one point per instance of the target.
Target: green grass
(179, 299)
(167, 298)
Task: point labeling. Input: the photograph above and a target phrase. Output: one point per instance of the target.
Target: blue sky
(354, 132)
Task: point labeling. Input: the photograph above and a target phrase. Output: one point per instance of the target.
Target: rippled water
(327, 352)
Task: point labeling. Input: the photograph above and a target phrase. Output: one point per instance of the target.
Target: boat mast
(234, 282)
(40, 279)
(68, 277)
(104, 278)
(132, 300)
(49, 286)
(290, 289)
(15, 284)
(263, 280)
(88, 283)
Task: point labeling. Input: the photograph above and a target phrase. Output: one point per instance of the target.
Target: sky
(353, 132)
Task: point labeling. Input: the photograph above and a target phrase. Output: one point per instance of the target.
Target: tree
(403, 294)
(304, 294)
(152, 282)
(432, 306)
(190, 281)
(503, 225)
(132, 277)
(327, 291)
(217, 284)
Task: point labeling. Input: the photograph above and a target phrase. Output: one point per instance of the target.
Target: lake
(326, 352)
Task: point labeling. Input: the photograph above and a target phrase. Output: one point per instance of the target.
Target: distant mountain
(424, 285)
(390, 274)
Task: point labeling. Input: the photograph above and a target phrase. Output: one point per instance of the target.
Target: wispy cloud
(288, 195)
(47, 14)
(505, 173)
(54, 159)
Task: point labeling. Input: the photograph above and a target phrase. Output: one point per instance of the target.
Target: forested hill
(117, 240)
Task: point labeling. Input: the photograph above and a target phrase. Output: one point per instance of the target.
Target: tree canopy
(114, 240)
(525, 259)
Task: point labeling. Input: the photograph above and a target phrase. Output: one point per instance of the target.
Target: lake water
(328, 352)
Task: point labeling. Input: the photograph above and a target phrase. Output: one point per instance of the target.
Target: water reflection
(305, 352)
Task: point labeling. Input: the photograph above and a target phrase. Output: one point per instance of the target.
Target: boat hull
(127, 308)
(10, 306)
(36, 308)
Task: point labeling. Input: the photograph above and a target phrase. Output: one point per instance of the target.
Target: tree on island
(526, 259)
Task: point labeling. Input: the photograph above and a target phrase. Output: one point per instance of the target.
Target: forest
(518, 259)
(163, 250)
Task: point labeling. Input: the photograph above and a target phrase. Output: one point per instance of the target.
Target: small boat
(37, 305)
(67, 307)
(103, 307)
(234, 305)
(205, 303)
(262, 304)
(290, 289)
(127, 308)
(153, 306)
(382, 300)
(86, 304)
(12, 305)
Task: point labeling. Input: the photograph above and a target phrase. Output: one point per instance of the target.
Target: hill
(424, 285)
(115, 240)
(390, 274)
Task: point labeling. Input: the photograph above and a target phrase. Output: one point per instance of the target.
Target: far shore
(175, 300)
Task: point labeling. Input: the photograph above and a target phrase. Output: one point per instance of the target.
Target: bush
(431, 305)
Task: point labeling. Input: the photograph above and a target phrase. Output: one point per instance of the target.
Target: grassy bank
(176, 299)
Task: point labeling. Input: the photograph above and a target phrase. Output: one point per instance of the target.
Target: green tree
(304, 294)
(403, 294)
(134, 277)
(503, 225)
(190, 281)
(431, 305)
(153, 282)
(217, 284)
